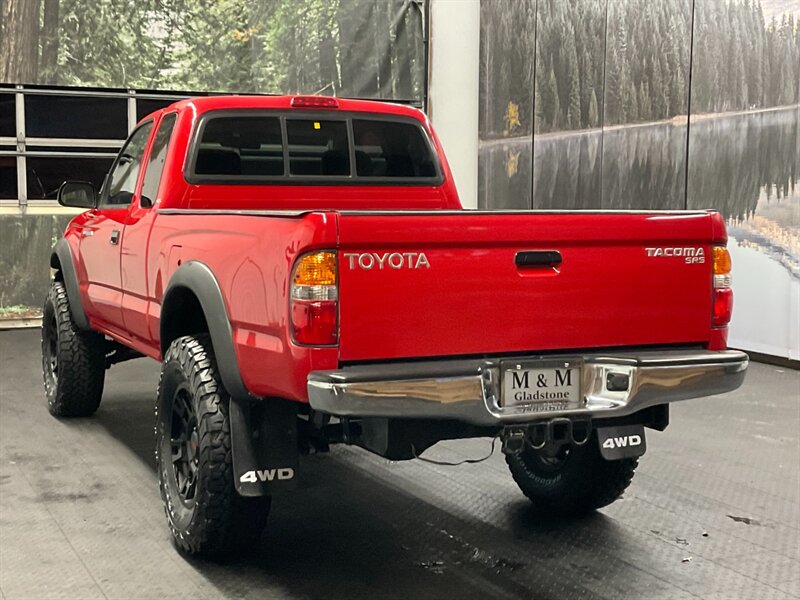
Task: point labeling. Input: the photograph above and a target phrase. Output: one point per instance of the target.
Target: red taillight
(314, 323)
(314, 102)
(723, 294)
(723, 307)
(314, 297)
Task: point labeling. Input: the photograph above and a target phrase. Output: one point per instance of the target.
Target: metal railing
(22, 146)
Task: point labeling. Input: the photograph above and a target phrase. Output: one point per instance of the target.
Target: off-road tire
(73, 360)
(580, 483)
(215, 521)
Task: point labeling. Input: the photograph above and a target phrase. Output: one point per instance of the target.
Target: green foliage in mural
(749, 64)
(348, 47)
(615, 62)
(508, 32)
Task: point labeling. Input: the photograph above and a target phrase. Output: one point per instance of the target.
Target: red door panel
(99, 249)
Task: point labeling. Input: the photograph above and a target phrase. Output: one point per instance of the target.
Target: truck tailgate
(445, 284)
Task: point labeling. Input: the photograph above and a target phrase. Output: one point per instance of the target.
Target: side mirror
(77, 194)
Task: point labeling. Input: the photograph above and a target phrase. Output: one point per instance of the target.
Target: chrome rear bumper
(469, 390)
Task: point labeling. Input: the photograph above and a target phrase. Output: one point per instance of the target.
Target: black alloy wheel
(184, 441)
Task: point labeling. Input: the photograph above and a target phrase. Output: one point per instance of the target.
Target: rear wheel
(193, 454)
(73, 360)
(573, 480)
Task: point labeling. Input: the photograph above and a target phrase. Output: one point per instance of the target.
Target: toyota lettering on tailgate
(392, 260)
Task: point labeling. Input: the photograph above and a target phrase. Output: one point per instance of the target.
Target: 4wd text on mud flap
(267, 475)
(622, 442)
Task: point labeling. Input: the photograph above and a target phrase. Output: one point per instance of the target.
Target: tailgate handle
(538, 258)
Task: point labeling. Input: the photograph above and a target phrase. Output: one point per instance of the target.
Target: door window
(122, 179)
(155, 162)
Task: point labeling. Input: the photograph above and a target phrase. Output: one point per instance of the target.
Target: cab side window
(122, 179)
(156, 160)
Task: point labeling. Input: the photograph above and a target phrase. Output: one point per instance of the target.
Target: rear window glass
(240, 146)
(296, 148)
(318, 147)
(389, 149)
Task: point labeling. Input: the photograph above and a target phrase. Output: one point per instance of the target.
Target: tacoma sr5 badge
(689, 255)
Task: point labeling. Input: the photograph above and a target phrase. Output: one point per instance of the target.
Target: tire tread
(81, 361)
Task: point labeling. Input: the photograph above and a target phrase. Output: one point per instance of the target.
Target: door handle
(114, 237)
(538, 258)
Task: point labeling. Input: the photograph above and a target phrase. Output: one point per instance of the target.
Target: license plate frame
(548, 368)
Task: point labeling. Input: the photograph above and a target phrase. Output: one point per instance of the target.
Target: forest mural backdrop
(662, 104)
(364, 48)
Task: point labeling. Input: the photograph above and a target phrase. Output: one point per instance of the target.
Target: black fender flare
(61, 258)
(198, 279)
(263, 431)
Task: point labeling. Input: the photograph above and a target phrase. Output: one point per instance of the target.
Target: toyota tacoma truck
(306, 275)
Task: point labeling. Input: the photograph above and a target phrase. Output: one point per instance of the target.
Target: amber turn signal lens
(317, 268)
(721, 260)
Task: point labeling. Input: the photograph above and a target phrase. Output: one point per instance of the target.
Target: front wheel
(193, 454)
(73, 361)
(572, 481)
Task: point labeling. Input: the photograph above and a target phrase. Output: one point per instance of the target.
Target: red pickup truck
(305, 273)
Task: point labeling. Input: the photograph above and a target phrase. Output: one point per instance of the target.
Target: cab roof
(297, 103)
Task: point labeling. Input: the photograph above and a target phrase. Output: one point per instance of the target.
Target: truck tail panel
(469, 283)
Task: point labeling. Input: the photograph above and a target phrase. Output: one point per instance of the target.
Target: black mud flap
(264, 440)
(624, 441)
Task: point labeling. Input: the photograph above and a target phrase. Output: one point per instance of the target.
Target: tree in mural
(19, 40)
